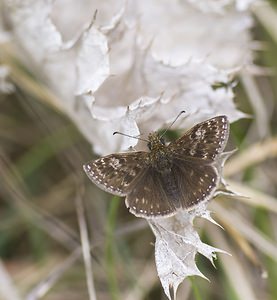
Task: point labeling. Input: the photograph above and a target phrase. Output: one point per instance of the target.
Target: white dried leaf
(76, 67)
(80, 66)
(92, 61)
(121, 118)
(176, 246)
(72, 17)
(244, 4)
(220, 6)
(33, 27)
(178, 41)
(187, 87)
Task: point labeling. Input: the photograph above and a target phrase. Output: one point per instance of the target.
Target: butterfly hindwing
(149, 198)
(205, 140)
(196, 182)
(157, 194)
(116, 172)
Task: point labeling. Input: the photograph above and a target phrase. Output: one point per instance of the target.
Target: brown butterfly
(167, 178)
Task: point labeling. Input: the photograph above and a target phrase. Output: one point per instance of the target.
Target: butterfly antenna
(180, 113)
(133, 137)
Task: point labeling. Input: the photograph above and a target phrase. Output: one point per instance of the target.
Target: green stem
(195, 289)
(109, 252)
(46, 148)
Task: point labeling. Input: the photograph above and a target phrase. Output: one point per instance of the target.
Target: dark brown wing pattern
(196, 182)
(155, 192)
(203, 141)
(116, 173)
(149, 197)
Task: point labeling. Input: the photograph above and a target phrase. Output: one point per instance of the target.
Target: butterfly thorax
(159, 155)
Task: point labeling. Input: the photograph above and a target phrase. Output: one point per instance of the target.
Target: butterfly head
(155, 141)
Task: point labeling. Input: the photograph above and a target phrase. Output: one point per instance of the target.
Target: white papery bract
(104, 70)
(132, 68)
(220, 6)
(177, 244)
(206, 30)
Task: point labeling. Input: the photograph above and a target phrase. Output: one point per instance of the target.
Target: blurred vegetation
(41, 157)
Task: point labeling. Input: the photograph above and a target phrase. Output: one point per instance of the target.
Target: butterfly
(169, 177)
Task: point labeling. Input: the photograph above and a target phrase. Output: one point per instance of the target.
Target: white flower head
(220, 6)
(105, 72)
(137, 73)
(194, 30)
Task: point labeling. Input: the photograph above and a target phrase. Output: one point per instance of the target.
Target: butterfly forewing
(204, 141)
(116, 173)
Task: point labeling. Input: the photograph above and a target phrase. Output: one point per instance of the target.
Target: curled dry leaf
(176, 246)
(104, 71)
(178, 42)
(220, 6)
